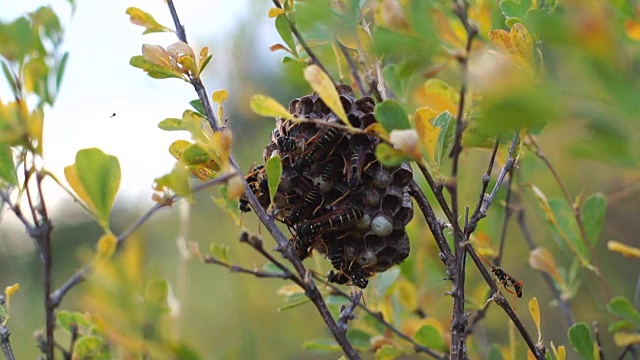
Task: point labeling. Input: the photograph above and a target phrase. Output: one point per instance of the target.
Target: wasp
(324, 140)
(505, 279)
(345, 219)
(257, 180)
(285, 143)
(335, 254)
(355, 275)
(311, 199)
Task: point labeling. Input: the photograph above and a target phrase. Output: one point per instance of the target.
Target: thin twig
(486, 177)
(235, 268)
(436, 188)
(380, 318)
(508, 211)
(16, 210)
(346, 312)
(562, 303)
(459, 318)
(81, 274)
(596, 333)
(354, 70)
(436, 226)
(303, 43)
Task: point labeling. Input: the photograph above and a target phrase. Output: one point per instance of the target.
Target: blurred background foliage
(577, 92)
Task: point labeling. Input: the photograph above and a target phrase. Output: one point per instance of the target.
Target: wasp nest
(334, 195)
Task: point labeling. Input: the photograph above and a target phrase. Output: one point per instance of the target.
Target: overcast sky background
(99, 81)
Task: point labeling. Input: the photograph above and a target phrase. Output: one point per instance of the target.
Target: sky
(99, 82)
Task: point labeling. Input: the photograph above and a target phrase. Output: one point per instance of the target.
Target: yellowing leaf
(626, 250)
(71, 174)
(426, 131)
(544, 204)
(439, 96)
(534, 310)
(268, 107)
(322, 84)
(407, 294)
(145, 20)
(185, 56)
(522, 41)
(622, 339)
(204, 59)
(35, 127)
(106, 247)
(274, 12)
(542, 259)
(376, 129)
(407, 141)
(157, 55)
(562, 353)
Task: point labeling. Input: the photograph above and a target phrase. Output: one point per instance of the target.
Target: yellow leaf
(183, 54)
(450, 31)
(407, 141)
(439, 96)
(268, 107)
(542, 259)
(632, 28)
(426, 131)
(522, 41)
(626, 250)
(534, 310)
(106, 247)
(71, 174)
(141, 18)
(220, 96)
(624, 339)
(562, 353)
(9, 291)
(221, 143)
(530, 355)
(322, 84)
(274, 12)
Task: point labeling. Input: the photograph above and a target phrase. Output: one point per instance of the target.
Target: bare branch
(378, 316)
(235, 268)
(5, 344)
(346, 312)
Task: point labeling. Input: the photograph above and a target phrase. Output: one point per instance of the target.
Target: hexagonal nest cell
(334, 195)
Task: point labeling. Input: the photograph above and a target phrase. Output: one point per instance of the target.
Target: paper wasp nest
(334, 195)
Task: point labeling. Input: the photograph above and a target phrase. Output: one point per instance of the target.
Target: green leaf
(20, 38)
(581, 340)
(622, 307)
(197, 105)
(3, 312)
(515, 8)
(153, 70)
(90, 347)
(177, 181)
(274, 171)
(171, 124)
(447, 125)
(391, 115)
(359, 338)
(388, 352)
(7, 166)
(621, 325)
(386, 279)
(389, 156)
(568, 230)
(195, 155)
(321, 345)
(430, 337)
(62, 65)
(185, 352)
(145, 20)
(283, 28)
(99, 175)
(226, 203)
(495, 353)
(204, 64)
(67, 318)
(593, 212)
(220, 252)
